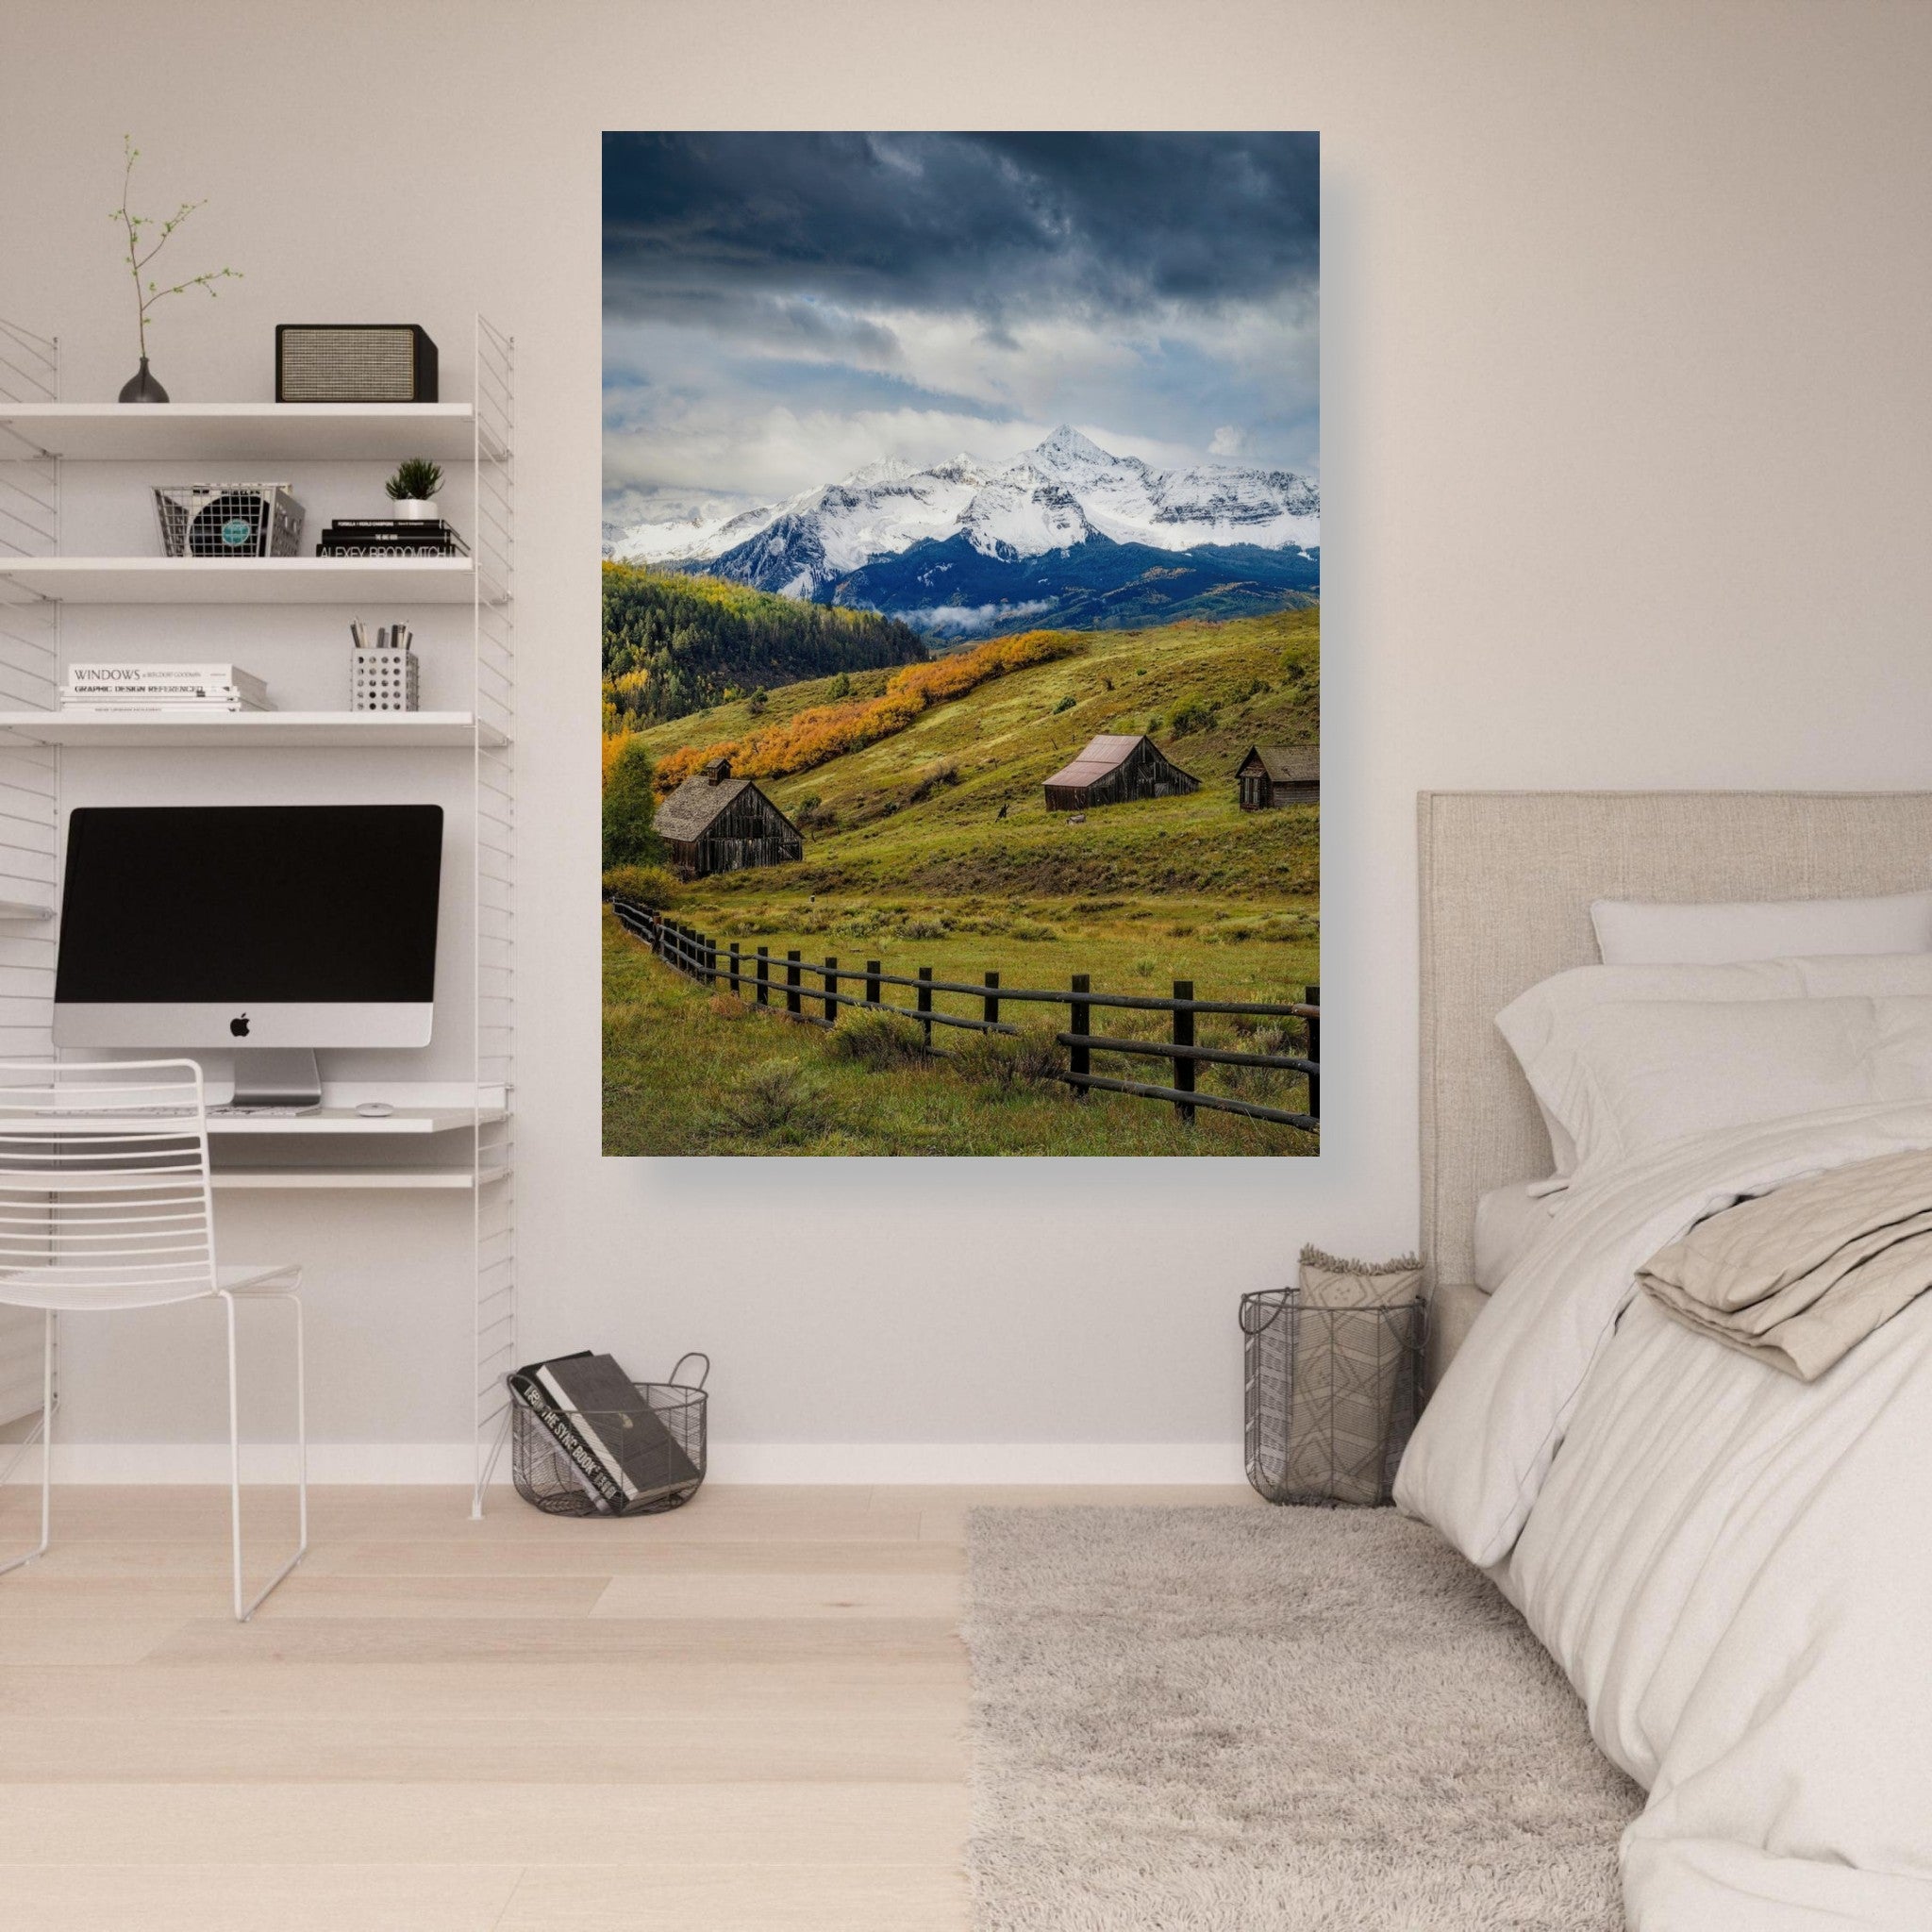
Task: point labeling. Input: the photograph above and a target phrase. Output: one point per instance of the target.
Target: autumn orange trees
(828, 731)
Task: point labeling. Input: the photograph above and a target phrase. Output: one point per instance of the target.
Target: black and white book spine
(629, 1438)
(237, 697)
(183, 707)
(585, 1466)
(137, 677)
(147, 693)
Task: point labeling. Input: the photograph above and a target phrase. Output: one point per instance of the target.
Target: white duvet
(1733, 1568)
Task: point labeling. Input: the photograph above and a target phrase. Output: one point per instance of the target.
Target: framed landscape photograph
(961, 657)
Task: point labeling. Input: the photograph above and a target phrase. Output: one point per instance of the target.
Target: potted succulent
(413, 487)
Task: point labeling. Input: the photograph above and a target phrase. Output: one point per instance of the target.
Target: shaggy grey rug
(1226, 1720)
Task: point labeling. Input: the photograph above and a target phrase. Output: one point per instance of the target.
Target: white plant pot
(416, 510)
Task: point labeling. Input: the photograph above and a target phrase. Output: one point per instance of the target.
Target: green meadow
(933, 848)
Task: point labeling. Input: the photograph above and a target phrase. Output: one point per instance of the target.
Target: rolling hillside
(918, 813)
(675, 643)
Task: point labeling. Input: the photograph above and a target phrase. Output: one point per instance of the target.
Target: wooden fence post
(1313, 996)
(711, 962)
(765, 976)
(925, 1002)
(1184, 1036)
(831, 991)
(1079, 1020)
(872, 982)
(792, 959)
(734, 966)
(991, 1013)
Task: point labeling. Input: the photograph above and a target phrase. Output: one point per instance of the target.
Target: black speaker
(354, 362)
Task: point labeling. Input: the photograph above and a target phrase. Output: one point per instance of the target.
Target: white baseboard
(976, 1463)
(730, 1462)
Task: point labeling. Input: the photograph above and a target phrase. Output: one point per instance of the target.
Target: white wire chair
(105, 1206)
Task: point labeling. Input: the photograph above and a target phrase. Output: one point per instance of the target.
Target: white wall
(1629, 466)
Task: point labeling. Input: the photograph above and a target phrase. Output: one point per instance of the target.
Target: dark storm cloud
(993, 226)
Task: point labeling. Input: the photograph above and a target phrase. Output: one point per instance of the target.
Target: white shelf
(193, 432)
(239, 730)
(336, 1179)
(244, 580)
(345, 1120)
(24, 908)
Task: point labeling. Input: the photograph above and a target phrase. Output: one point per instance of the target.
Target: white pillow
(1634, 932)
(1641, 1073)
(1541, 1024)
(1507, 1222)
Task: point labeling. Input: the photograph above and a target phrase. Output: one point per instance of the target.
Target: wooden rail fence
(758, 976)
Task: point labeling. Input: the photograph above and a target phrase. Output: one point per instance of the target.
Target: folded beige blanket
(1800, 1277)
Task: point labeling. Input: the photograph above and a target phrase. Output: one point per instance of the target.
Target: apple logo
(239, 1027)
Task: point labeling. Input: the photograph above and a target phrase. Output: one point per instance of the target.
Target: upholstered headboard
(1506, 881)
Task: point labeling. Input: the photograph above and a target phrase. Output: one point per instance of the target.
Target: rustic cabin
(1273, 774)
(1113, 769)
(716, 823)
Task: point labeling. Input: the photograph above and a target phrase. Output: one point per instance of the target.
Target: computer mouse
(375, 1109)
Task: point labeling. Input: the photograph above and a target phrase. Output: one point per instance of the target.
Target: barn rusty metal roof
(1103, 754)
(1288, 764)
(684, 814)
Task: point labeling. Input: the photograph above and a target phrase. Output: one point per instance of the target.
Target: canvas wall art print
(962, 660)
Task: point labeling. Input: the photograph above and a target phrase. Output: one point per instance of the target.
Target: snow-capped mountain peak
(1067, 449)
(1064, 492)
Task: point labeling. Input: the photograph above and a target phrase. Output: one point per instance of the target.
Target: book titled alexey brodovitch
(615, 1443)
(390, 537)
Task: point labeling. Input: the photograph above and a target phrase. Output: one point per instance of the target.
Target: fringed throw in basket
(1334, 1368)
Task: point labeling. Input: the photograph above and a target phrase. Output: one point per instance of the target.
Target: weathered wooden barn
(1273, 775)
(716, 823)
(1114, 768)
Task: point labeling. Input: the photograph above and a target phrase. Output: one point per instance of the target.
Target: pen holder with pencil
(388, 678)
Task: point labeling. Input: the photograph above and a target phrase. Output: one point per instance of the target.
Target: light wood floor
(743, 1717)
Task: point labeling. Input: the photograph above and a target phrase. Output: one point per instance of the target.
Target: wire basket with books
(587, 1440)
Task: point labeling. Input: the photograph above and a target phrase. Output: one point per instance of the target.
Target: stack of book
(120, 690)
(616, 1448)
(390, 537)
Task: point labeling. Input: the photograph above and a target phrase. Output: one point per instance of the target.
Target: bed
(1733, 1568)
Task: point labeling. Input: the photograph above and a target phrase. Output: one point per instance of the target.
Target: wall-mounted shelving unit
(200, 432)
(41, 436)
(244, 580)
(304, 730)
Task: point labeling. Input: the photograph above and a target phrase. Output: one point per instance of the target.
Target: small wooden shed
(1273, 775)
(1114, 768)
(716, 823)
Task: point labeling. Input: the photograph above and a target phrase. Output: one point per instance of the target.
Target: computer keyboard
(270, 1113)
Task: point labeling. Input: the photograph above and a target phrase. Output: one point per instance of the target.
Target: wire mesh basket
(227, 519)
(1331, 1395)
(603, 1463)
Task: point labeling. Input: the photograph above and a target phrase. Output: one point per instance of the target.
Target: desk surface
(345, 1120)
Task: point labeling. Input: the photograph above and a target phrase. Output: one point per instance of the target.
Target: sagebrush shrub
(650, 886)
(774, 1101)
(1008, 1061)
(878, 1041)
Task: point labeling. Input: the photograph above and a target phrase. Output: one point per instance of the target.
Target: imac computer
(271, 930)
